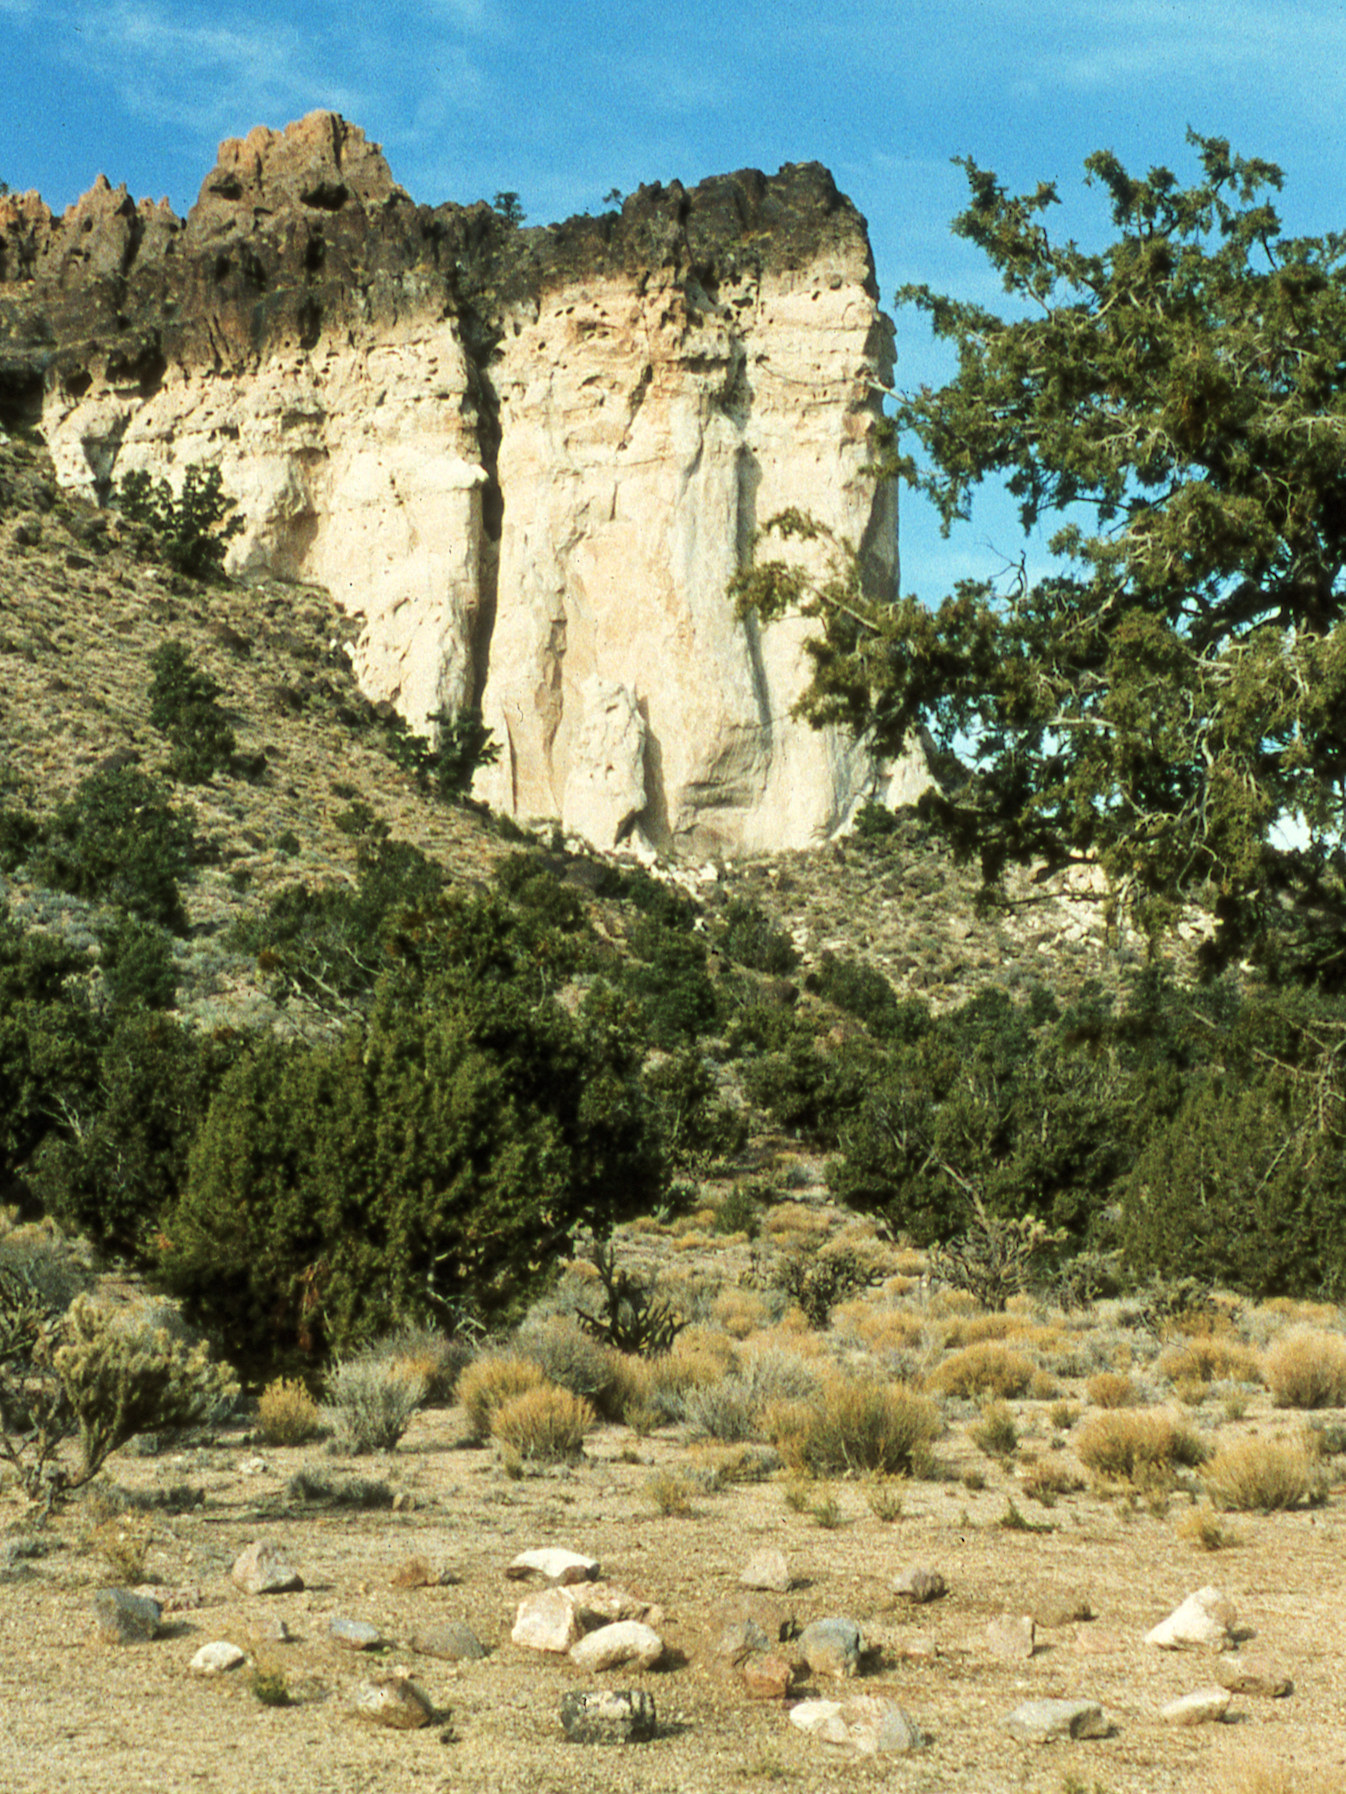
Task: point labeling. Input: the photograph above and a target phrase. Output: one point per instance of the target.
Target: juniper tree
(1174, 694)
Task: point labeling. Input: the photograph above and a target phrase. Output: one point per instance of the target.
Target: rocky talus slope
(525, 462)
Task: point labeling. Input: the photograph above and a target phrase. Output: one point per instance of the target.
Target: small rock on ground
(124, 1618)
(869, 1724)
(920, 1585)
(832, 1647)
(214, 1659)
(263, 1570)
(1011, 1636)
(1039, 1722)
(608, 1716)
(767, 1675)
(613, 1647)
(393, 1701)
(767, 1571)
(554, 1565)
(454, 1641)
(547, 1621)
(353, 1635)
(1255, 1675)
(1201, 1707)
(1206, 1619)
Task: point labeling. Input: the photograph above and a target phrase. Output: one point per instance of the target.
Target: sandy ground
(77, 1713)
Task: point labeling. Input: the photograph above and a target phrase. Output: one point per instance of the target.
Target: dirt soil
(79, 1713)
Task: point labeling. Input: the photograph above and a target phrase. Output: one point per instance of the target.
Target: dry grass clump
(978, 1329)
(287, 1414)
(1260, 1476)
(740, 1312)
(986, 1369)
(855, 1424)
(545, 1425)
(437, 1358)
(1138, 1445)
(995, 1432)
(491, 1381)
(1308, 1370)
(1110, 1389)
(1259, 1774)
(1208, 1360)
(574, 1360)
(669, 1493)
(1199, 1526)
(881, 1329)
(1049, 1478)
(123, 1542)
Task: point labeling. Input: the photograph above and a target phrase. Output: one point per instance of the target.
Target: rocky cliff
(525, 461)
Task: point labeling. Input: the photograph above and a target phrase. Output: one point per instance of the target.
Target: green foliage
(1173, 402)
(811, 1092)
(754, 940)
(669, 980)
(114, 1175)
(119, 840)
(863, 991)
(999, 1256)
(370, 1402)
(184, 706)
(193, 527)
(433, 1161)
(48, 1042)
(446, 761)
(136, 962)
(817, 1281)
(697, 1125)
(507, 204)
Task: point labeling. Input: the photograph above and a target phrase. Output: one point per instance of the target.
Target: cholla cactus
(120, 1383)
(87, 1375)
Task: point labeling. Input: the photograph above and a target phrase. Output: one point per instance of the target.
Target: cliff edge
(525, 461)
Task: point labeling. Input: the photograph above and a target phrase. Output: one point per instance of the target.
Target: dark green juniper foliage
(184, 706)
(193, 527)
(119, 840)
(1176, 402)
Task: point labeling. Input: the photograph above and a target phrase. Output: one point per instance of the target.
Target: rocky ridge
(526, 462)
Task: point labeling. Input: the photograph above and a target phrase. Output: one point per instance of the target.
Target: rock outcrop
(526, 461)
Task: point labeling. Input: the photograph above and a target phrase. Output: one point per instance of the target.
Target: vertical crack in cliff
(479, 342)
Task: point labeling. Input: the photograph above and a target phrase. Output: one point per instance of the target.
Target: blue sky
(562, 101)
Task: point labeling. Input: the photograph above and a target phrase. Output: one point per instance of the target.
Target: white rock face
(1204, 1621)
(526, 463)
(612, 1647)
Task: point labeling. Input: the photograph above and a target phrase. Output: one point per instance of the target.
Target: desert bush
(1259, 1476)
(1307, 1370)
(432, 1162)
(669, 1492)
(996, 1257)
(492, 1380)
(817, 1281)
(370, 1402)
(1209, 1360)
(1047, 1479)
(1199, 1526)
(185, 708)
(668, 979)
(320, 1488)
(123, 1542)
(192, 527)
(90, 1375)
(1110, 1389)
(857, 1425)
(989, 1369)
(574, 1360)
(545, 1425)
(731, 1408)
(739, 1211)
(287, 1414)
(633, 1317)
(136, 965)
(436, 1357)
(994, 1432)
(697, 1126)
(1138, 1445)
(118, 840)
(754, 940)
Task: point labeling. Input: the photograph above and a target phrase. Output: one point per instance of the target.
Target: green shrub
(370, 1402)
(136, 963)
(431, 1163)
(863, 991)
(446, 760)
(193, 527)
(669, 980)
(697, 1125)
(633, 1317)
(755, 941)
(817, 1281)
(573, 1359)
(118, 840)
(184, 706)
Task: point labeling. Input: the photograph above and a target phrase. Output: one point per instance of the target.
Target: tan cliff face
(526, 461)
